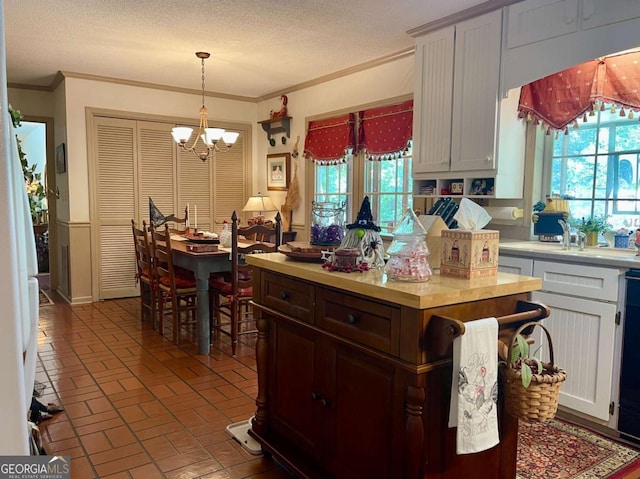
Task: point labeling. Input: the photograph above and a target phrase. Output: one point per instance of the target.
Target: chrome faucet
(566, 235)
(582, 240)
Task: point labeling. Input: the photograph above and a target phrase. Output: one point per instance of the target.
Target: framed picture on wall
(278, 171)
(61, 158)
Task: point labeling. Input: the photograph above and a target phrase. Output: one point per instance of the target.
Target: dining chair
(144, 271)
(177, 290)
(229, 295)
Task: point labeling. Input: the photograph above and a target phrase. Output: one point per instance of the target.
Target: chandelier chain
(202, 82)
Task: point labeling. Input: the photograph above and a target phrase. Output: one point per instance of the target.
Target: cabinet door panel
(432, 101)
(293, 410)
(361, 421)
(583, 337)
(596, 13)
(535, 20)
(475, 92)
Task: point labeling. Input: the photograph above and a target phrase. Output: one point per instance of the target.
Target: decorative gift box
(469, 254)
(202, 248)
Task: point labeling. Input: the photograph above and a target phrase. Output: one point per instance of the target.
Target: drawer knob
(284, 295)
(324, 402)
(352, 318)
(315, 396)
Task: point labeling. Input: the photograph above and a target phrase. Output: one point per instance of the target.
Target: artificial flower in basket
(531, 387)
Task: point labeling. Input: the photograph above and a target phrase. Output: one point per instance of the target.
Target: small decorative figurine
(364, 235)
(637, 242)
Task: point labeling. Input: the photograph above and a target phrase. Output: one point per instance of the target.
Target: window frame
(610, 203)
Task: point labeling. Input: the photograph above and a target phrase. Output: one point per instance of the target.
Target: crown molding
(341, 73)
(155, 86)
(471, 12)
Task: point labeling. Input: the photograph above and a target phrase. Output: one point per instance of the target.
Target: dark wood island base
(354, 373)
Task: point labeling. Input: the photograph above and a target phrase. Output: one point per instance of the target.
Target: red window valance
(558, 100)
(385, 132)
(329, 141)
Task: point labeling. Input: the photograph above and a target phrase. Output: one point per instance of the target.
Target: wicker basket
(538, 402)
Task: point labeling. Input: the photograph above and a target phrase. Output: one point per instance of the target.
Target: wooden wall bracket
(276, 125)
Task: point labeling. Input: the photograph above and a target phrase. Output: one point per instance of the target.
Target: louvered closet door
(114, 162)
(195, 188)
(232, 183)
(156, 169)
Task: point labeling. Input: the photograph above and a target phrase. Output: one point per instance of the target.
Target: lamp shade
(260, 204)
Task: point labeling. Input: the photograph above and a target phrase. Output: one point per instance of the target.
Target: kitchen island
(354, 371)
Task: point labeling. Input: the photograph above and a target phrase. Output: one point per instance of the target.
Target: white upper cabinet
(475, 93)
(535, 20)
(597, 13)
(433, 101)
(456, 96)
(458, 117)
(546, 36)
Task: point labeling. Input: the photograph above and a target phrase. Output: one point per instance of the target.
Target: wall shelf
(277, 125)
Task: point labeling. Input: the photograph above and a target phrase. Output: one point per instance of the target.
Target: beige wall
(383, 82)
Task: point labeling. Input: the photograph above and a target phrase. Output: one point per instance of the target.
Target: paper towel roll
(504, 212)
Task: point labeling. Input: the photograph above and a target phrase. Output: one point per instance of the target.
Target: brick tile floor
(139, 407)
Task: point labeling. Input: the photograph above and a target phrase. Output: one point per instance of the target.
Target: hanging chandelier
(211, 137)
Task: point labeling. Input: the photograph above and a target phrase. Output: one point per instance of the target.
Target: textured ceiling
(258, 46)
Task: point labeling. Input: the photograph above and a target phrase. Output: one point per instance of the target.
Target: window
(334, 183)
(388, 184)
(596, 167)
(380, 167)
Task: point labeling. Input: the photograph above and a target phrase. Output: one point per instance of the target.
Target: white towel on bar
(474, 387)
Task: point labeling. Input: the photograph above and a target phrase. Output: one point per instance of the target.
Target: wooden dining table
(202, 265)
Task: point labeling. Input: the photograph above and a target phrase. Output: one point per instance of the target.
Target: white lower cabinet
(511, 264)
(583, 334)
(584, 316)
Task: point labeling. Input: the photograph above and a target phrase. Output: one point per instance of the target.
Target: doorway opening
(35, 137)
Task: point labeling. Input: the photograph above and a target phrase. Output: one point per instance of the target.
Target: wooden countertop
(438, 291)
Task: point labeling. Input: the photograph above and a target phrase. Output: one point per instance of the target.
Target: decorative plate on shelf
(310, 255)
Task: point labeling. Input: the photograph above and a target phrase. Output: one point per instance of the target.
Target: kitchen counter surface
(598, 256)
(438, 291)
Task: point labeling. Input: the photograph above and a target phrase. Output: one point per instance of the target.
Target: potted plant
(592, 227)
(531, 387)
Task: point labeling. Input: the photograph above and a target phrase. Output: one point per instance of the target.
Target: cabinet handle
(284, 295)
(568, 20)
(352, 318)
(325, 402)
(315, 396)
(488, 159)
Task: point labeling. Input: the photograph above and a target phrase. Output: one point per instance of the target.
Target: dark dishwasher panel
(629, 418)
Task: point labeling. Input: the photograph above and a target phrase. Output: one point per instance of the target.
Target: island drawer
(288, 296)
(366, 322)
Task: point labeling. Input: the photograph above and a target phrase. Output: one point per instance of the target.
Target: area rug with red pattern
(559, 450)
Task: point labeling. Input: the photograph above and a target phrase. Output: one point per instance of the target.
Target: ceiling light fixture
(210, 136)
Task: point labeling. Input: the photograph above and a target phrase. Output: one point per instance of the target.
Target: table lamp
(260, 204)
